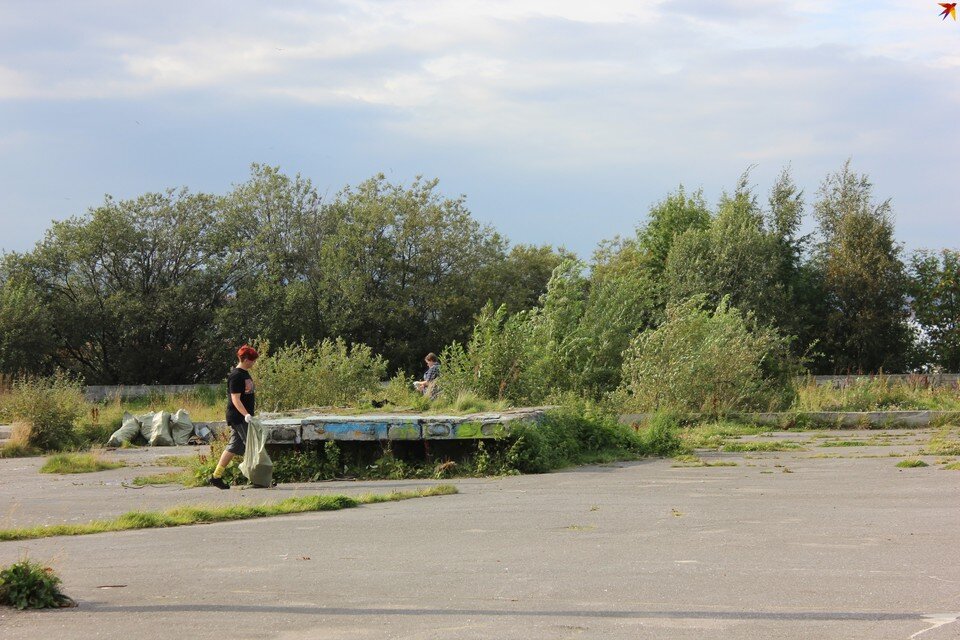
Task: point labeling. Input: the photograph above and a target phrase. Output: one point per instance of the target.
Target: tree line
(161, 288)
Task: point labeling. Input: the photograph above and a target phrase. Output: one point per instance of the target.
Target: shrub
(329, 373)
(308, 466)
(567, 437)
(661, 437)
(44, 411)
(30, 585)
(715, 362)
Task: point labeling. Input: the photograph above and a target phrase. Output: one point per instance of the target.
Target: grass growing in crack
(78, 463)
(712, 435)
(912, 464)
(183, 516)
(690, 460)
(943, 443)
(845, 443)
(171, 477)
(769, 445)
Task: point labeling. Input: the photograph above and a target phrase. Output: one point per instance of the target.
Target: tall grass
(879, 393)
(44, 411)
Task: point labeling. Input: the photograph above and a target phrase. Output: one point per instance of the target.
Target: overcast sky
(562, 121)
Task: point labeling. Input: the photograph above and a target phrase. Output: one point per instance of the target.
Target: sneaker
(218, 483)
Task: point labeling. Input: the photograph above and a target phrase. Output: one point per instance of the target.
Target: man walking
(240, 406)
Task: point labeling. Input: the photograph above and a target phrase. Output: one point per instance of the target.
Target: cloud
(666, 87)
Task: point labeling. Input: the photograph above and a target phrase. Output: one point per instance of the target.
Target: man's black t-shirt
(239, 381)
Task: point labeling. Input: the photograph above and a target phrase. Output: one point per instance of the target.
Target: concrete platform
(295, 429)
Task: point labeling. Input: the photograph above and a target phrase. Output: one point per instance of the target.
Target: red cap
(246, 352)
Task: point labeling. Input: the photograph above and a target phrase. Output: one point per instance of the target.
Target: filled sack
(129, 428)
(257, 466)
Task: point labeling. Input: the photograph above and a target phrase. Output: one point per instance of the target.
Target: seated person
(428, 386)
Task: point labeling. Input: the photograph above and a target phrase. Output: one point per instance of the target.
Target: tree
(935, 293)
(735, 256)
(520, 279)
(403, 266)
(130, 290)
(25, 344)
(863, 278)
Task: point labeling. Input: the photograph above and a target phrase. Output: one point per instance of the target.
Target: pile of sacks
(161, 429)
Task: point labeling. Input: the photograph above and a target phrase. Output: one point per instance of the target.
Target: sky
(562, 122)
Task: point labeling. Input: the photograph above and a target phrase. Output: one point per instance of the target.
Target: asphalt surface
(783, 545)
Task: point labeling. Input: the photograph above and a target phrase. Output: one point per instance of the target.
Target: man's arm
(235, 399)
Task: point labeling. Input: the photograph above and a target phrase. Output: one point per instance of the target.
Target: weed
(763, 445)
(712, 434)
(18, 450)
(845, 443)
(171, 477)
(30, 585)
(943, 444)
(953, 466)
(912, 463)
(79, 463)
(44, 411)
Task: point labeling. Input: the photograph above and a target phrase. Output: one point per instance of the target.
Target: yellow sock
(218, 472)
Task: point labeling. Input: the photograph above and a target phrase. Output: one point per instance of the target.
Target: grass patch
(953, 466)
(171, 477)
(184, 516)
(943, 444)
(912, 463)
(764, 445)
(712, 435)
(78, 463)
(18, 450)
(690, 460)
(846, 443)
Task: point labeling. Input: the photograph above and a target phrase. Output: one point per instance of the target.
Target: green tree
(130, 290)
(25, 344)
(863, 278)
(667, 220)
(935, 293)
(735, 256)
(277, 226)
(403, 266)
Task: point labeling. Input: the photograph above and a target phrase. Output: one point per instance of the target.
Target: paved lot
(838, 547)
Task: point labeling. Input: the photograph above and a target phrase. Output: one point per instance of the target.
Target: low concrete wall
(832, 419)
(932, 379)
(97, 393)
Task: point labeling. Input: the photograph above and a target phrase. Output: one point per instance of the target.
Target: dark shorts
(238, 439)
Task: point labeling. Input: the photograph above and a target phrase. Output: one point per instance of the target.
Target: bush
(308, 466)
(661, 437)
(331, 373)
(30, 585)
(566, 437)
(712, 362)
(44, 411)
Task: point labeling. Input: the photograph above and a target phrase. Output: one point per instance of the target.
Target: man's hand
(247, 418)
